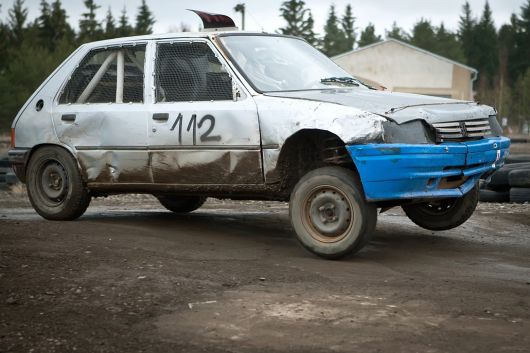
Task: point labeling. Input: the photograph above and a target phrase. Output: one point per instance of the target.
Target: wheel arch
(308, 149)
(37, 147)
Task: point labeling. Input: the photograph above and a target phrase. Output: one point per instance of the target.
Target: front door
(198, 134)
(101, 115)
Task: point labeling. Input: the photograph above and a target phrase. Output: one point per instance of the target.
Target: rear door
(101, 114)
(198, 133)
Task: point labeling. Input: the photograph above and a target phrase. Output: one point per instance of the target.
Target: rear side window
(190, 72)
(114, 75)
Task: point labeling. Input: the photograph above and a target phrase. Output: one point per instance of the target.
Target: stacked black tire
(7, 176)
(511, 183)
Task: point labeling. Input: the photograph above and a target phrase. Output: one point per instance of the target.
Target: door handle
(161, 116)
(68, 117)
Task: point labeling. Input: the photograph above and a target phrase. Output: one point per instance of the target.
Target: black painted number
(193, 126)
(206, 136)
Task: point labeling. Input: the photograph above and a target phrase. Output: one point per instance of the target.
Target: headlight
(414, 132)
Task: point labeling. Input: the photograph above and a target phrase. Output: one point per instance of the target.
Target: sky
(263, 15)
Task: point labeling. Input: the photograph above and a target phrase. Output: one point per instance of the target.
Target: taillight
(12, 138)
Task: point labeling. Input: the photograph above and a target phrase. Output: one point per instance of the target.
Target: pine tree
(299, 20)
(423, 35)
(521, 57)
(124, 29)
(368, 36)
(398, 33)
(144, 20)
(348, 27)
(18, 15)
(59, 25)
(44, 23)
(334, 37)
(486, 39)
(447, 44)
(89, 27)
(507, 49)
(110, 25)
(466, 34)
(4, 45)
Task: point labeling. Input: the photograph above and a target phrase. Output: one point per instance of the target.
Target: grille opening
(462, 130)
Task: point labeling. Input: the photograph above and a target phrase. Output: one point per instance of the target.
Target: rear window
(114, 75)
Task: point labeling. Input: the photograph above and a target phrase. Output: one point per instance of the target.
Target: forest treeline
(30, 49)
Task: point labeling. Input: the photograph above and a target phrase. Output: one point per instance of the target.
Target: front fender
(282, 117)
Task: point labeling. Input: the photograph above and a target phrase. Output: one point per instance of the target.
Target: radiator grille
(462, 130)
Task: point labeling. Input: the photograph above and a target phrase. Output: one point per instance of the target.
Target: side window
(190, 72)
(114, 75)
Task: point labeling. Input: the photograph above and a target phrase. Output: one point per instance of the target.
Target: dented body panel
(399, 107)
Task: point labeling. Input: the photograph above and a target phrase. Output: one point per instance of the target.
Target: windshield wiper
(342, 80)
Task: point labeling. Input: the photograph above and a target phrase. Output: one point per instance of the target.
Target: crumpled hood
(399, 107)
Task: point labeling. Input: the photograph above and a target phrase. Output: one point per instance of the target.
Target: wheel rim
(52, 182)
(440, 207)
(328, 214)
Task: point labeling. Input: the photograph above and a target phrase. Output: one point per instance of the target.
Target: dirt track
(131, 277)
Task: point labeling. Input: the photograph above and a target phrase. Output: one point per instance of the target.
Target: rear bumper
(403, 171)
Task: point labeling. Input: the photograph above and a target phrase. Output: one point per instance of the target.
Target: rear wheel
(55, 186)
(443, 214)
(181, 204)
(329, 214)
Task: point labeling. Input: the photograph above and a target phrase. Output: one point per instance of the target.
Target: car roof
(117, 41)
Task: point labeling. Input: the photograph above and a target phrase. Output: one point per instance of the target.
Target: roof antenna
(213, 22)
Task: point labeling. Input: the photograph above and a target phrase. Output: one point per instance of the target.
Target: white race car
(246, 115)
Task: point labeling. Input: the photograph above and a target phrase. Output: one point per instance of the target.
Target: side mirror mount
(236, 92)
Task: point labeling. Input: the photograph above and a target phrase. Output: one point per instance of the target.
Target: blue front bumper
(403, 171)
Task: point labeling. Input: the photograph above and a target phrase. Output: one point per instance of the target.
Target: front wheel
(329, 214)
(55, 186)
(443, 214)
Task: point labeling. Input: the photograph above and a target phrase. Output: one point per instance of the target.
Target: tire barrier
(511, 183)
(7, 176)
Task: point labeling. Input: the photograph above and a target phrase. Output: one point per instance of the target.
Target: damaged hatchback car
(243, 115)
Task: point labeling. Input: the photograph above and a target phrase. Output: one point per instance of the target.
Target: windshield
(275, 63)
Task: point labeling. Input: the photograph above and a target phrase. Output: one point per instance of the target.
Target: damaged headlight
(495, 127)
(413, 132)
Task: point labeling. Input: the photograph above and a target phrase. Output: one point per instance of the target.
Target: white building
(402, 67)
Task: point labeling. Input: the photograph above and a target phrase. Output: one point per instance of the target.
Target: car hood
(398, 107)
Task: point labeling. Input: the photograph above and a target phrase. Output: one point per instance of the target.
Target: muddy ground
(131, 277)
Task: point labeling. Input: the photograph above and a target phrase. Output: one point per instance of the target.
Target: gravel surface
(129, 276)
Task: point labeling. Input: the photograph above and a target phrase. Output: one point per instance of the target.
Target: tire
(55, 186)
(4, 163)
(443, 214)
(329, 213)
(486, 195)
(520, 195)
(519, 178)
(499, 179)
(181, 204)
(11, 179)
(518, 158)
